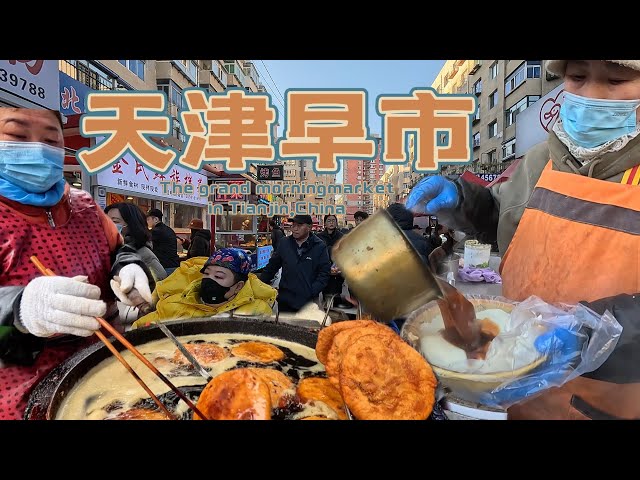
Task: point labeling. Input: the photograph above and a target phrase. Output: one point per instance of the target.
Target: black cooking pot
(46, 398)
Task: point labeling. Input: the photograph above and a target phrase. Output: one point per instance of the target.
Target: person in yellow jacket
(203, 287)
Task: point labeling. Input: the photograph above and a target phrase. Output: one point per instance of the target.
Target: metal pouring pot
(384, 270)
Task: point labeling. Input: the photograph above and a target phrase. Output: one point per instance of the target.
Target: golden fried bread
(258, 352)
(326, 335)
(345, 338)
(235, 395)
(141, 414)
(320, 389)
(204, 353)
(280, 386)
(383, 378)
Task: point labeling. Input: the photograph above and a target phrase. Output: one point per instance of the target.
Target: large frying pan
(46, 398)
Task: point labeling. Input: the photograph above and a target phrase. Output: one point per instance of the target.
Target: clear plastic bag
(539, 346)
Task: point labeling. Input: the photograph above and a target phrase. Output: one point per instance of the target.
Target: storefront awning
(472, 178)
(506, 174)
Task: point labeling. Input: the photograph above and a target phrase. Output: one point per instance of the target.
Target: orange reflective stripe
(567, 247)
(589, 189)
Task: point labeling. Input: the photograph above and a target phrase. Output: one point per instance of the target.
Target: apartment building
(383, 200)
(339, 201)
(310, 177)
(504, 89)
(292, 176)
(360, 171)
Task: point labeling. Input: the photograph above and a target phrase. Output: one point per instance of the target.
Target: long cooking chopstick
(45, 271)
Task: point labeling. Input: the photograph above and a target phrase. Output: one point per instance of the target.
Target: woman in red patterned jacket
(43, 319)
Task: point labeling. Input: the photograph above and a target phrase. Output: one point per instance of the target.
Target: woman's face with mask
(219, 282)
(30, 125)
(601, 80)
(116, 217)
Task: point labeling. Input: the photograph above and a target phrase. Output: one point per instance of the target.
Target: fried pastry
(321, 389)
(204, 353)
(383, 378)
(280, 386)
(141, 414)
(258, 352)
(326, 335)
(342, 341)
(235, 395)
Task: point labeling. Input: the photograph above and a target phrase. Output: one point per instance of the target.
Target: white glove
(53, 305)
(131, 284)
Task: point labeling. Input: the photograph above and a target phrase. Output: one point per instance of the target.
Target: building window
(87, 73)
(177, 131)
(219, 72)
(189, 68)
(234, 69)
(533, 69)
(494, 69)
(192, 68)
(476, 116)
(493, 129)
(477, 87)
(476, 140)
(529, 69)
(493, 99)
(493, 156)
(135, 66)
(509, 149)
(173, 93)
(512, 113)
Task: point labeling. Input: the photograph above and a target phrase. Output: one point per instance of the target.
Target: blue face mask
(592, 122)
(119, 226)
(33, 166)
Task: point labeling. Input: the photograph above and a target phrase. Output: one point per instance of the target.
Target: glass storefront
(242, 231)
(183, 214)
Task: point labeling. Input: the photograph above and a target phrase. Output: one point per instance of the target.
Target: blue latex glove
(436, 192)
(563, 349)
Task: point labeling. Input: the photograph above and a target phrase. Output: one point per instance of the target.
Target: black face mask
(212, 292)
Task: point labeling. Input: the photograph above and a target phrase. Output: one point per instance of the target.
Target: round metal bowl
(47, 396)
(464, 385)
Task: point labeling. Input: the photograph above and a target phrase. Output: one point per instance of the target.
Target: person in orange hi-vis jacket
(567, 223)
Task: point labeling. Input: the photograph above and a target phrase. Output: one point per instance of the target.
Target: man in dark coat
(330, 235)
(404, 219)
(164, 240)
(277, 233)
(305, 264)
(200, 242)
